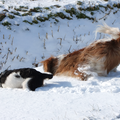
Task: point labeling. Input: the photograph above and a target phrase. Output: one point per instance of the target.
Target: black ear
(25, 72)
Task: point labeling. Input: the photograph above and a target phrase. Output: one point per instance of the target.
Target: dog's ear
(25, 72)
(29, 72)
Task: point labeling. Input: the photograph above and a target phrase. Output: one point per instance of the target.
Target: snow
(64, 98)
(61, 98)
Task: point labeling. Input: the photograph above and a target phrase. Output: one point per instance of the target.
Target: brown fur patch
(68, 64)
(50, 64)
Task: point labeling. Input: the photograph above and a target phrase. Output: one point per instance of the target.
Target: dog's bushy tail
(114, 32)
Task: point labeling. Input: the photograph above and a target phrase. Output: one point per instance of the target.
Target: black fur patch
(17, 76)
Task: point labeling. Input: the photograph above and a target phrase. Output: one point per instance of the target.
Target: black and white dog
(26, 78)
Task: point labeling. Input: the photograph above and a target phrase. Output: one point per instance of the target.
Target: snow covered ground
(38, 30)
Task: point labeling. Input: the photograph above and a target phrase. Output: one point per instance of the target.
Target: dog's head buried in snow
(26, 78)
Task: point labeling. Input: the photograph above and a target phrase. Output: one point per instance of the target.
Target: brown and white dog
(101, 57)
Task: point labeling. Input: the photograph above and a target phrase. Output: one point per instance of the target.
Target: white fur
(114, 32)
(97, 65)
(94, 66)
(13, 82)
(60, 58)
(103, 40)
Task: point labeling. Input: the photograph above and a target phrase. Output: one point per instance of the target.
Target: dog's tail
(114, 32)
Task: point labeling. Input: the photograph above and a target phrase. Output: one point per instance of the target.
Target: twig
(69, 49)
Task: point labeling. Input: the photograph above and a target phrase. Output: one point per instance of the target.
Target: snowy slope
(25, 44)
